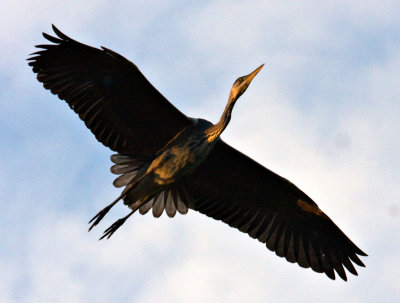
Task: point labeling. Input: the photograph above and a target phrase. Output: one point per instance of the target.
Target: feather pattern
(271, 209)
(169, 200)
(130, 111)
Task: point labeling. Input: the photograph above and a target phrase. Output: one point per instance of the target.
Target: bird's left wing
(231, 187)
(110, 94)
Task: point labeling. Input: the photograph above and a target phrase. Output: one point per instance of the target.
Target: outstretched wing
(231, 187)
(116, 102)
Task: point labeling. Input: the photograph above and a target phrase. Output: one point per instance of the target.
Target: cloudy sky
(324, 113)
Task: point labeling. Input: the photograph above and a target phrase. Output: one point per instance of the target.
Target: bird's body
(168, 161)
(177, 159)
(182, 154)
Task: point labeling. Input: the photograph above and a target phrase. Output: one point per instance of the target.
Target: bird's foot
(100, 215)
(109, 231)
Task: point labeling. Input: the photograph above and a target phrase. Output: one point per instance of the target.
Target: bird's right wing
(110, 94)
(231, 187)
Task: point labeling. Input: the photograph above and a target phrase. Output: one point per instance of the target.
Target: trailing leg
(117, 224)
(100, 215)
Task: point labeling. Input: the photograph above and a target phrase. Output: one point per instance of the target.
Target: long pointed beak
(251, 76)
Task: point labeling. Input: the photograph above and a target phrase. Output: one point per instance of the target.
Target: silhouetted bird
(168, 161)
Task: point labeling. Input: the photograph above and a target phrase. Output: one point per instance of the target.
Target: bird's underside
(128, 115)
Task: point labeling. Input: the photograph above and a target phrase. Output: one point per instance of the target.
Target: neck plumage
(215, 131)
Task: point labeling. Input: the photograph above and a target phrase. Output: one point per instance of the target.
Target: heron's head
(242, 83)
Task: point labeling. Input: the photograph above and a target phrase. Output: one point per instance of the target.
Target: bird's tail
(132, 172)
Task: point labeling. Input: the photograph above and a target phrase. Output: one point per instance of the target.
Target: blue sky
(324, 113)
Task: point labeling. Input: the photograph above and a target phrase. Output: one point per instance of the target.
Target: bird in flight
(168, 161)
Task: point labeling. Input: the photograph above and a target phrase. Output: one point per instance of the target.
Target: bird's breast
(179, 160)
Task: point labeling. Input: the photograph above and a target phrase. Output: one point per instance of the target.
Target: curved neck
(215, 131)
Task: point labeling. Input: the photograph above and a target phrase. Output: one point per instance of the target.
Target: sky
(323, 112)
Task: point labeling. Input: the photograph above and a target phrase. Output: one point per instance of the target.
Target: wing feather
(231, 187)
(109, 93)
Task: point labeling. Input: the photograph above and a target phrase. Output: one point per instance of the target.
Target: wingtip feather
(60, 34)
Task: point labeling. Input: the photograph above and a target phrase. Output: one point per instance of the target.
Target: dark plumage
(167, 161)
